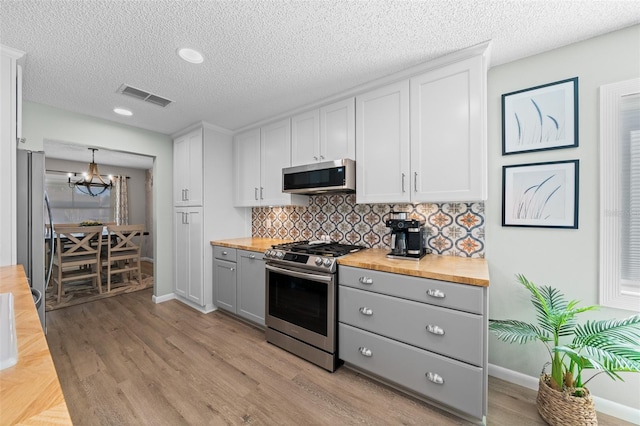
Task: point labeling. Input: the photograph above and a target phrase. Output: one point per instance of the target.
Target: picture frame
(541, 195)
(540, 118)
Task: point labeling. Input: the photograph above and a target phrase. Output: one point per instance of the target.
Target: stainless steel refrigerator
(32, 214)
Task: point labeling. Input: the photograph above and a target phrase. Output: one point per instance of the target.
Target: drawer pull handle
(435, 378)
(435, 329)
(366, 280)
(366, 311)
(364, 351)
(434, 292)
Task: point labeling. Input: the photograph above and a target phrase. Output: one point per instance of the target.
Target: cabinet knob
(435, 378)
(366, 311)
(315, 158)
(434, 292)
(435, 330)
(252, 256)
(224, 253)
(364, 351)
(365, 280)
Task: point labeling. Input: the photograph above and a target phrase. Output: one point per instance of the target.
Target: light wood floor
(125, 360)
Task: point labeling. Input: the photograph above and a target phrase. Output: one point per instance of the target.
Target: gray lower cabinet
(426, 336)
(239, 283)
(251, 286)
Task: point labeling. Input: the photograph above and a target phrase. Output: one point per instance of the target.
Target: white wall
(564, 258)
(42, 122)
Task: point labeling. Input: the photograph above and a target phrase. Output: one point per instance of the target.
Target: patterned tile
(453, 229)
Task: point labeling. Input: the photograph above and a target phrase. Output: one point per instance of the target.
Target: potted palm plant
(608, 346)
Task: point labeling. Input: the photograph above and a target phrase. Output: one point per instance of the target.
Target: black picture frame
(540, 118)
(541, 195)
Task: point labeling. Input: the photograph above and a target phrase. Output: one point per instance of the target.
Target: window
(69, 205)
(620, 195)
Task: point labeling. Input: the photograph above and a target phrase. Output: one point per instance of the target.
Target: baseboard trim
(160, 299)
(204, 309)
(604, 406)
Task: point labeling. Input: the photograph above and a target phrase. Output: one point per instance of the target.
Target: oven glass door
(301, 304)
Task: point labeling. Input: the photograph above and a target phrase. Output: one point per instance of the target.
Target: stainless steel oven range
(301, 299)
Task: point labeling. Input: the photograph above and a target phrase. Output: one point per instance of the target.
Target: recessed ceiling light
(122, 111)
(190, 55)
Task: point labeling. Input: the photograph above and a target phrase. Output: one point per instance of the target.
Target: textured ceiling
(264, 58)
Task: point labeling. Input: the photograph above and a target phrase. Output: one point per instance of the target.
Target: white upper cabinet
(305, 138)
(429, 149)
(338, 131)
(275, 154)
(382, 145)
(187, 169)
(246, 151)
(448, 136)
(260, 155)
(324, 134)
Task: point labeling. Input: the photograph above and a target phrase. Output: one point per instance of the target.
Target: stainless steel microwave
(320, 178)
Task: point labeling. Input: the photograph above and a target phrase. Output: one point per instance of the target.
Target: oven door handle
(303, 275)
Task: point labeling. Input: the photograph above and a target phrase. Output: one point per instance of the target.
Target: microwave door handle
(303, 275)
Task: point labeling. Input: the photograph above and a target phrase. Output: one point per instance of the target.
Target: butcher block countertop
(248, 243)
(30, 391)
(447, 268)
(460, 270)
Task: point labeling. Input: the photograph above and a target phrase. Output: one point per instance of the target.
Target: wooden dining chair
(77, 256)
(123, 251)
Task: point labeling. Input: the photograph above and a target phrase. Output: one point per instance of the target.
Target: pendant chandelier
(92, 183)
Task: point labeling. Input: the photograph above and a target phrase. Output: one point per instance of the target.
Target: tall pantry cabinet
(203, 200)
(10, 109)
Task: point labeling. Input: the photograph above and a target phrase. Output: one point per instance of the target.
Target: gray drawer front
(407, 321)
(408, 366)
(456, 296)
(224, 253)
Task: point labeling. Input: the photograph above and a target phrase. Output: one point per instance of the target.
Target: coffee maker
(408, 237)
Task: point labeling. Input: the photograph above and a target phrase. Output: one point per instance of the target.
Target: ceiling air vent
(143, 95)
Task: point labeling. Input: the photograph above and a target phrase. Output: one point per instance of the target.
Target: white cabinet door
(188, 254)
(382, 145)
(337, 131)
(448, 142)
(246, 150)
(275, 144)
(180, 253)
(195, 290)
(187, 169)
(305, 138)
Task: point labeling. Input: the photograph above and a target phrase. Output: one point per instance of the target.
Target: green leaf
(513, 331)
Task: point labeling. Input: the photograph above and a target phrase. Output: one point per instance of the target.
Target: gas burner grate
(319, 249)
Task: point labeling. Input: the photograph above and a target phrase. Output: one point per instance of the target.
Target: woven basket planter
(562, 409)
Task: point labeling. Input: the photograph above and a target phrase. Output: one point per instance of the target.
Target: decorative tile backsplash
(453, 229)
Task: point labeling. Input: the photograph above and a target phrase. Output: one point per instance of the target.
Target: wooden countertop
(248, 243)
(447, 268)
(30, 391)
(460, 270)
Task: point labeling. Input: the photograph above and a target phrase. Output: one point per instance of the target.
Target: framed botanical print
(540, 118)
(543, 195)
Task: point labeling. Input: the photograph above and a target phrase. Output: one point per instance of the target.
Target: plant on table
(609, 346)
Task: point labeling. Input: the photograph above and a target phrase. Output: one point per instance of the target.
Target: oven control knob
(328, 262)
(279, 254)
(318, 261)
(267, 253)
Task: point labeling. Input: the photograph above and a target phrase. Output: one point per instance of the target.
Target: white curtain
(122, 200)
(148, 239)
